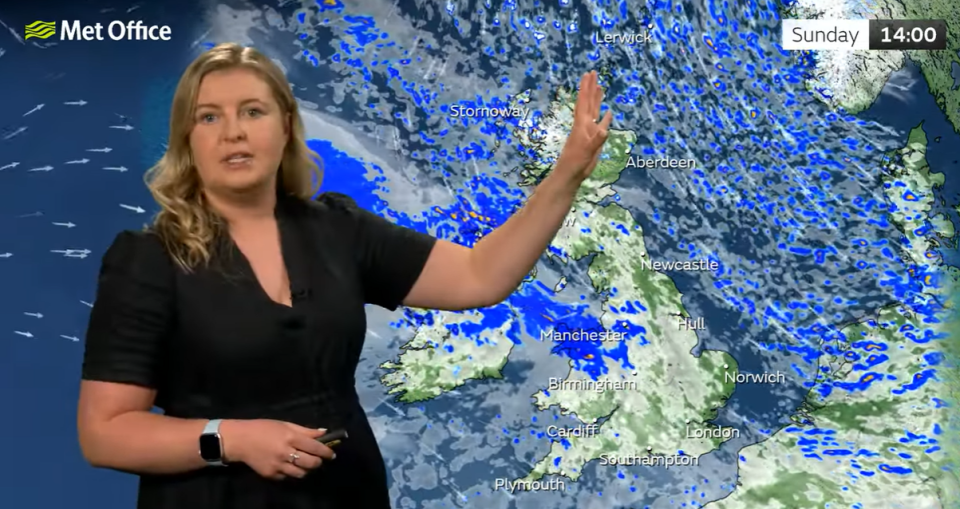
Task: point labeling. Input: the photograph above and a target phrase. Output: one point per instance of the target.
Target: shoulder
(324, 202)
(336, 209)
(138, 251)
(337, 202)
(138, 243)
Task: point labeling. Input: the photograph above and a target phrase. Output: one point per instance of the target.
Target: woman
(240, 313)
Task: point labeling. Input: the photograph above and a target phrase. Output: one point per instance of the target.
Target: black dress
(214, 345)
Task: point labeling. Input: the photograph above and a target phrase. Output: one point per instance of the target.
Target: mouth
(238, 158)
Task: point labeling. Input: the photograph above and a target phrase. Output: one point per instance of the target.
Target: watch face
(210, 447)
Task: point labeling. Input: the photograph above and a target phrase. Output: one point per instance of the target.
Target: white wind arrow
(79, 253)
(138, 210)
(34, 110)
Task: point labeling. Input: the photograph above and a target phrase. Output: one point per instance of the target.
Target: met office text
(133, 30)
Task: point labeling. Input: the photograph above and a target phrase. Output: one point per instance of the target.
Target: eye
(254, 112)
(206, 118)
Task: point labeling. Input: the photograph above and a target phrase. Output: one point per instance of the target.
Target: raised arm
(456, 277)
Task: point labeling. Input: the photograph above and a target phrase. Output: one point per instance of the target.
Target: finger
(594, 99)
(602, 132)
(605, 122)
(587, 95)
(311, 446)
(313, 433)
(597, 100)
(585, 100)
(291, 470)
(307, 461)
(578, 104)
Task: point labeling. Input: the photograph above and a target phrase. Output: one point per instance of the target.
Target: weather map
(749, 305)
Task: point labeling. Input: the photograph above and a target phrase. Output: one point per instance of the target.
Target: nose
(232, 129)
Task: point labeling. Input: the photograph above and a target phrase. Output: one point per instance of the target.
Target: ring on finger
(293, 458)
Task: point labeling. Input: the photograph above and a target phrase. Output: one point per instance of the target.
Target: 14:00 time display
(908, 34)
(928, 34)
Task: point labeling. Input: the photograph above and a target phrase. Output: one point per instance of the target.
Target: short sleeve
(133, 311)
(390, 257)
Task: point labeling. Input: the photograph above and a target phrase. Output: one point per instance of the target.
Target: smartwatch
(211, 445)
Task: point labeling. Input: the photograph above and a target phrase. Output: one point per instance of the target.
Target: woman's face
(239, 131)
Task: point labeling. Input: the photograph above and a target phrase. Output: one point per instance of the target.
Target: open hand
(583, 147)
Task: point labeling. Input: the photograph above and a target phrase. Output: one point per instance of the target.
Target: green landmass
(890, 353)
(853, 446)
(674, 389)
(951, 378)
(436, 360)
(937, 65)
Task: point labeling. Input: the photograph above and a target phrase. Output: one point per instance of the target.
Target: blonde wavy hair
(186, 224)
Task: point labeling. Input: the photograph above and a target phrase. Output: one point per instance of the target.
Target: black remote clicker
(332, 438)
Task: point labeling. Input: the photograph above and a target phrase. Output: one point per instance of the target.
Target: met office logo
(133, 30)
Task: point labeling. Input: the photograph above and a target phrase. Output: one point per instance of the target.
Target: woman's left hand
(581, 152)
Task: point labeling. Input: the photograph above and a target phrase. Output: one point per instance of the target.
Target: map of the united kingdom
(749, 306)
